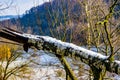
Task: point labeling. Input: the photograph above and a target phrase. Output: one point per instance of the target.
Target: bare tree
(102, 28)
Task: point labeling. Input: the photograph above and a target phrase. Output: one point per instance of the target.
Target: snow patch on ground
(48, 72)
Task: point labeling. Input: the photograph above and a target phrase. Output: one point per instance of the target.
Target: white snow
(117, 61)
(49, 72)
(63, 45)
(46, 72)
(117, 77)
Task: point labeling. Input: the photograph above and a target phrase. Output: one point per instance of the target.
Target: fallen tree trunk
(60, 48)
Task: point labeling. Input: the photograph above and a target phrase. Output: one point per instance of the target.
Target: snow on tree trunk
(60, 48)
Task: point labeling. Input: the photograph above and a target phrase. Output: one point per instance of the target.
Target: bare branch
(7, 5)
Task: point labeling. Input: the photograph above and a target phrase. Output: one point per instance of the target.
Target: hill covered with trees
(62, 18)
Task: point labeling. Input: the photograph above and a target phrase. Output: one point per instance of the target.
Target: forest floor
(48, 67)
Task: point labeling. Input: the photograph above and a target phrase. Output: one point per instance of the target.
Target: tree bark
(58, 47)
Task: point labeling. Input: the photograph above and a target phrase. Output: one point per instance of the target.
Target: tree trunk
(99, 62)
(69, 73)
(98, 74)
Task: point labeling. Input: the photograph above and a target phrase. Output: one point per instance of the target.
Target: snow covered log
(60, 48)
